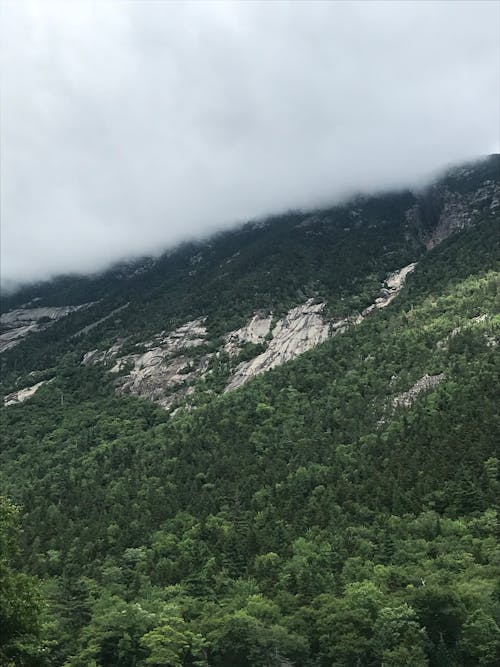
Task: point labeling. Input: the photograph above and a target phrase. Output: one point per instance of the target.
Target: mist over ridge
(129, 128)
(131, 261)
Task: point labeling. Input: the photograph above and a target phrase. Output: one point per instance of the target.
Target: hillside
(277, 446)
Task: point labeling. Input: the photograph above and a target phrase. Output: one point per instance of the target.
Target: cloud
(130, 126)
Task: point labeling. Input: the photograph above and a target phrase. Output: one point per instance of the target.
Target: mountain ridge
(475, 194)
(339, 509)
(466, 177)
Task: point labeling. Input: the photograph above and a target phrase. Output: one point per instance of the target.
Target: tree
(441, 612)
(480, 640)
(113, 636)
(174, 645)
(20, 601)
(345, 625)
(398, 638)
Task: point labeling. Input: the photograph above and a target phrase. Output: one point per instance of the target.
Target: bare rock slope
(301, 329)
(457, 210)
(165, 371)
(424, 384)
(23, 394)
(19, 323)
(167, 367)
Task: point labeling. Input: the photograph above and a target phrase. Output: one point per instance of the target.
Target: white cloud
(130, 126)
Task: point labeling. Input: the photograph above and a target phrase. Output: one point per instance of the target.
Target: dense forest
(339, 510)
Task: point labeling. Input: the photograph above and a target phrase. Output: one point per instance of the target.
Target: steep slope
(341, 263)
(339, 509)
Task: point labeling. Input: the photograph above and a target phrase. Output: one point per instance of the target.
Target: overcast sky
(129, 126)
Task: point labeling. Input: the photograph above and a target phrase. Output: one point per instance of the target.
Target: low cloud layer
(130, 126)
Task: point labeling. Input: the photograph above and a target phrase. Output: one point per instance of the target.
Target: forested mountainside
(277, 447)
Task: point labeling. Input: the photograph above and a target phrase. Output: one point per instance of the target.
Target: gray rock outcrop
(168, 369)
(23, 394)
(304, 327)
(426, 383)
(164, 372)
(453, 210)
(301, 329)
(254, 331)
(393, 285)
(19, 323)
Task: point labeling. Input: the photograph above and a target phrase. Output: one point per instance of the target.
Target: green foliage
(19, 599)
(307, 518)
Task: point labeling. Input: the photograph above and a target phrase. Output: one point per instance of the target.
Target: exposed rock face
(300, 330)
(393, 285)
(304, 327)
(457, 210)
(190, 334)
(167, 371)
(23, 394)
(13, 337)
(26, 315)
(101, 356)
(17, 324)
(255, 331)
(160, 379)
(164, 372)
(426, 383)
(460, 212)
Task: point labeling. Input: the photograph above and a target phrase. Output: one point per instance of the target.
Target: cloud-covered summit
(130, 126)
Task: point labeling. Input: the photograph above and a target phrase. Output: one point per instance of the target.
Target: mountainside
(278, 446)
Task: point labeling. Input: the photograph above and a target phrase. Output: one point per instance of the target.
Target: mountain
(276, 446)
